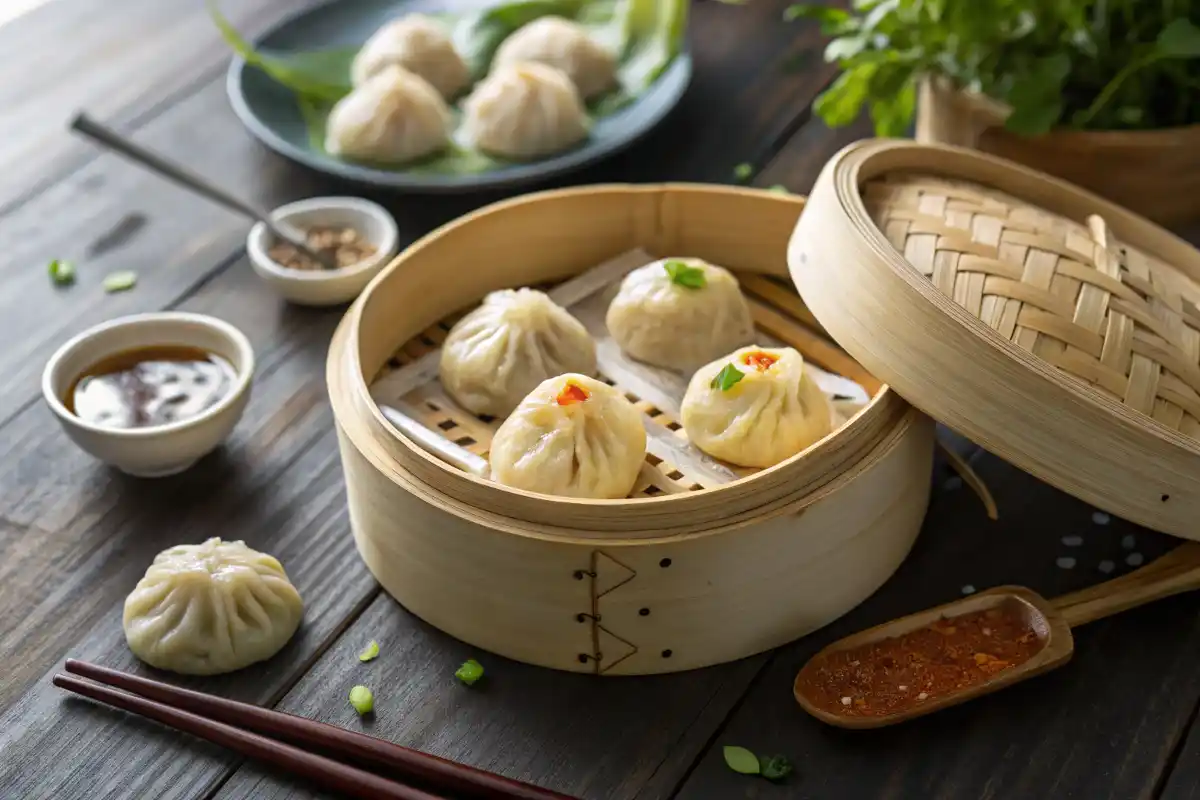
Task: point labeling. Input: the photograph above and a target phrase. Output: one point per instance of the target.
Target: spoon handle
(118, 143)
(1176, 572)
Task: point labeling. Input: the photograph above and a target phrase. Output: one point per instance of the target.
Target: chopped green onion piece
(469, 672)
(682, 274)
(741, 760)
(726, 378)
(120, 281)
(779, 188)
(362, 700)
(369, 652)
(742, 172)
(774, 768)
(62, 272)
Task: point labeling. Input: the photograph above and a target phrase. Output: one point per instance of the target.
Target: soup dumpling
(211, 608)
(394, 117)
(421, 46)
(573, 436)
(499, 353)
(679, 313)
(756, 407)
(563, 44)
(525, 111)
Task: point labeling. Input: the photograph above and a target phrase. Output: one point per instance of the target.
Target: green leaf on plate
(741, 760)
(774, 768)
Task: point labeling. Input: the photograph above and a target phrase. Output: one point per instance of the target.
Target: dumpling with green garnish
(679, 313)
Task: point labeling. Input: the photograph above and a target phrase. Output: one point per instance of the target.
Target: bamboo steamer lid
(1055, 329)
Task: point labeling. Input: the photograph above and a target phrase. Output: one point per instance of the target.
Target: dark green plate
(270, 112)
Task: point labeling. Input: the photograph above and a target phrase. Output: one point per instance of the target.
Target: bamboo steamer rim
(339, 370)
(945, 360)
(801, 475)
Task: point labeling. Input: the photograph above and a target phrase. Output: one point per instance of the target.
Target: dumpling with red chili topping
(679, 313)
(573, 436)
(756, 407)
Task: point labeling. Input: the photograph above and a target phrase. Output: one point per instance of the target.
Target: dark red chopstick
(437, 773)
(324, 772)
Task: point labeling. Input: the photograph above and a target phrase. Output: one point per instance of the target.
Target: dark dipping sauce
(150, 386)
(895, 675)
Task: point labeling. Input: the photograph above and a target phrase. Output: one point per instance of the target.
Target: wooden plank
(566, 731)
(1183, 782)
(1104, 726)
(125, 60)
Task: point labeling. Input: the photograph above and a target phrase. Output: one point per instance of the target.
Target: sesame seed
(968, 589)
(922, 696)
(1072, 541)
(845, 701)
(1106, 566)
(987, 631)
(854, 663)
(1134, 559)
(1066, 562)
(902, 688)
(1127, 541)
(1100, 518)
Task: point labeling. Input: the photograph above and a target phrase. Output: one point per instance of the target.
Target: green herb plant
(683, 275)
(646, 35)
(1085, 64)
(745, 762)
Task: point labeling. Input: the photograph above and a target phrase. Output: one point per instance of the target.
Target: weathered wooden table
(75, 536)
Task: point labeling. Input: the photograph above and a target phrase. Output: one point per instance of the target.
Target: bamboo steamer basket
(676, 581)
(1155, 173)
(1052, 327)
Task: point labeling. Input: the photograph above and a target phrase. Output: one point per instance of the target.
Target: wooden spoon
(1174, 573)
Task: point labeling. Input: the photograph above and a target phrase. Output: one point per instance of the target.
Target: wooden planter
(683, 579)
(1154, 173)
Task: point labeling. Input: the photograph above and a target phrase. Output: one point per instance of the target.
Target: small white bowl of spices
(150, 394)
(357, 234)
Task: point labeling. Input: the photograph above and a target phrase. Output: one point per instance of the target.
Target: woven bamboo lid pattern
(1048, 325)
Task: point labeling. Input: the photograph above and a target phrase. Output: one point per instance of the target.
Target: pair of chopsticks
(281, 740)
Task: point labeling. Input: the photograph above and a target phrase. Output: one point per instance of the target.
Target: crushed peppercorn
(345, 246)
(944, 658)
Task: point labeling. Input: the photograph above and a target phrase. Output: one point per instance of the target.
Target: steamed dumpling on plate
(573, 436)
(525, 111)
(565, 45)
(679, 313)
(755, 407)
(394, 117)
(211, 608)
(499, 353)
(421, 46)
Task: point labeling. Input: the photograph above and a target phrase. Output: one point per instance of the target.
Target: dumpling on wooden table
(420, 45)
(499, 353)
(679, 313)
(525, 111)
(565, 45)
(756, 407)
(394, 117)
(211, 608)
(573, 436)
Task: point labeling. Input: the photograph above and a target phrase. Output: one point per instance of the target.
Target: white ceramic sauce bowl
(162, 449)
(325, 287)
